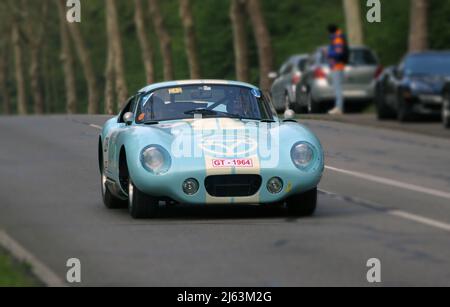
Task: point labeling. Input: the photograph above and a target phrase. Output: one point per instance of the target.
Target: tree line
(25, 24)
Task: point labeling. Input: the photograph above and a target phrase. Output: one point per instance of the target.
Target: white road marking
(96, 126)
(420, 219)
(394, 183)
(47, 276)
(396, 213)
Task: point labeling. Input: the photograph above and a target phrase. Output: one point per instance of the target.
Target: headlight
(302, 154)
(156, 159)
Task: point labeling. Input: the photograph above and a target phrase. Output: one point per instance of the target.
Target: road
(385, 195)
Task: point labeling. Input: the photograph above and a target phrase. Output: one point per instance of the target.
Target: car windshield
(433, 64)
(189, 101)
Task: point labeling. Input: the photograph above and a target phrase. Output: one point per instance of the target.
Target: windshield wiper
(201, 112)
(151, 122)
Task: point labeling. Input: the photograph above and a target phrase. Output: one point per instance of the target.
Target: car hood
(427, 84)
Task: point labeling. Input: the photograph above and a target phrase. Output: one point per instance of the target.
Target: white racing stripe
(40, 270)
(394, 183)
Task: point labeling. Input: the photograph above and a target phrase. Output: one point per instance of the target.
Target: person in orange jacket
(337, 57)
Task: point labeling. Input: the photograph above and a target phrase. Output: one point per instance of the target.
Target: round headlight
(302, 154)
(155, 159)
(275, 185)
(190, 186)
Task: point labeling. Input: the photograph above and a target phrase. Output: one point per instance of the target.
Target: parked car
(414, 87)
(446, 105)
(316, 91)
(285, 84)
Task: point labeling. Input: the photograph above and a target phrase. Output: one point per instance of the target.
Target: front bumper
(427, 104)
(169, 186)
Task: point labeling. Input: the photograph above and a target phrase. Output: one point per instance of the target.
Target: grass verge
(14, 273)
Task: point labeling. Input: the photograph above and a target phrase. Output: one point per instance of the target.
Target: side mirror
(289, 115)
(272, 75)
(128, 118)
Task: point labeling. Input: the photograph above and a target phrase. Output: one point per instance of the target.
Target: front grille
(233, 185)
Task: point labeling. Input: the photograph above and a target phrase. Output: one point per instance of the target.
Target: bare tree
(263, 42)
(190, 39)
(3, 80)
(115, 42)
(146, 48)
(165, 41)
(239, 26)
(352, 9)
(68, 61)
(418, 31)
(18, 66)
(88, 69)
(109, 81)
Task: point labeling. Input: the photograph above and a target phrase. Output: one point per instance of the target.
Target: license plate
(239, 163)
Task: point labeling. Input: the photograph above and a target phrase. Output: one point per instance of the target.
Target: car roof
(430, 52)
(155, 86)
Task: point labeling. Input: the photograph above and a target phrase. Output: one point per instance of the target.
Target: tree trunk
(18, 63)
(115, 41)
(263, 42)
(190, 39)
(67, 61)
(146, 48)
(110, 66)
(3, 82)
(418, 32)
(34, 29)
(239, 26)
(165, 41)
(352, 9)
(88, 69)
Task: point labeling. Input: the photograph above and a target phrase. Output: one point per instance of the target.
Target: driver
(236, 104)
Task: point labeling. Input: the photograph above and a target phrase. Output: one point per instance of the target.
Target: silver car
(285, 85)
(316, 90)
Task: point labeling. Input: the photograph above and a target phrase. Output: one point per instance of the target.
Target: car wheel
(383, 111)
(110, 201)
(313, 106)
(303, 205)
(446, 110)
(141, 205)
(404, 113)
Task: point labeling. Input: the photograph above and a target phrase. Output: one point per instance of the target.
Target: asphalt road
(385, 195)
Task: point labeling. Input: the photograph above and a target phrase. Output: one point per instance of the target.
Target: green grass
(14, 273)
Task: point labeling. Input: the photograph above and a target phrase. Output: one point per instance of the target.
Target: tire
(303, 205)
(109, 200)
(446, 110)
(383, 111)
(312, 106)
(404, 113)
(140, 205)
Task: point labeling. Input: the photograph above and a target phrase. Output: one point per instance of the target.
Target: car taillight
(296, 78)
(319, 74)
(379, 71)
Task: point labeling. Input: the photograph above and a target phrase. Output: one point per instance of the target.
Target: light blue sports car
(207, 142)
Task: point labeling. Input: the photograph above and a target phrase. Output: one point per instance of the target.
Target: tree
(3, 80)
(165, 41)
(67, 60)
(34, 19)
(239, 26)
(418, 31)
(190, 39)
(18, 65)
(115, 42)
(88, 69)
(352, 9)
(263, 42)
(146, 48)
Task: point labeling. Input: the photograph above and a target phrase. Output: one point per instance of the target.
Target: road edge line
(39, 269)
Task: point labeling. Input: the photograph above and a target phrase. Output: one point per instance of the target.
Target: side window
(287, 69)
